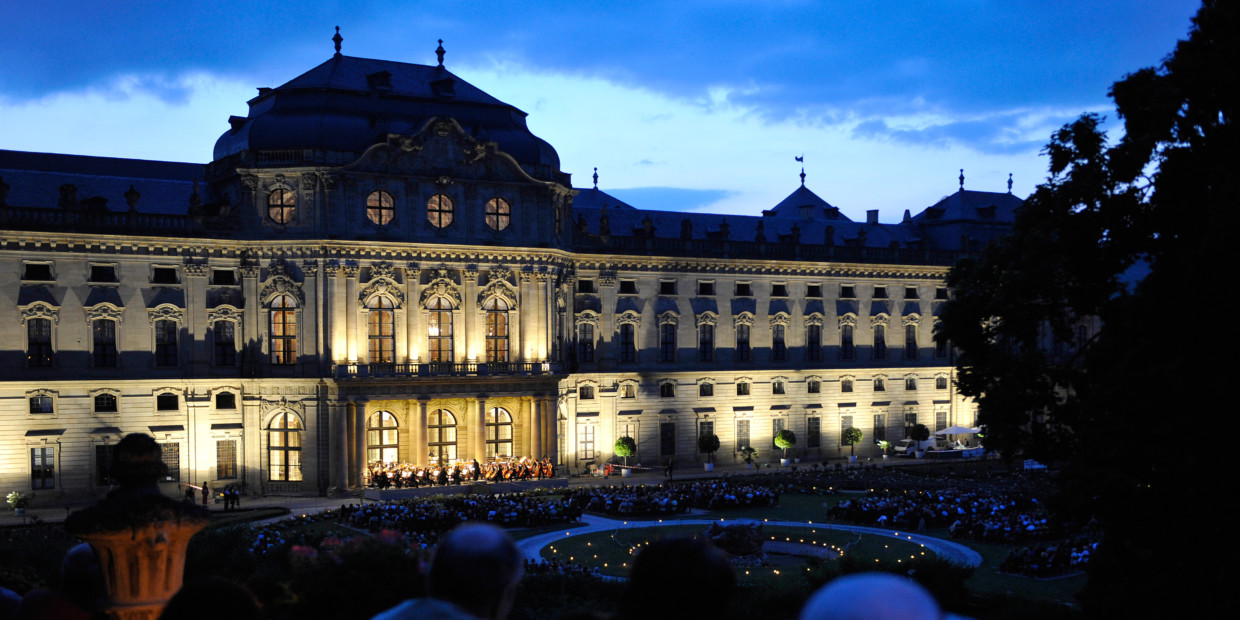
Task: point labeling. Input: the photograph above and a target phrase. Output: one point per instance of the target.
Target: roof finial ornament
(1009, 182)
(439, 51)
(337, 39)
(596, 177)
(962, 179)
(801, 158)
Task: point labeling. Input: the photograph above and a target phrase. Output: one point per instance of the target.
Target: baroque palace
(382, 263)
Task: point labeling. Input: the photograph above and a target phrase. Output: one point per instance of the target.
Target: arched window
(439, 211)
(382, 329)
(281, 205)
(382, 438)
(499, 214)
(283, 330)
(910, 341)
(706, 342)
(880, 342)
(284, 448)
(441, 435)
(628, 346)
(439, 329)
(779, 346)
(499, 433)
(742, 342)
(38, 342)
(225, 336)
(166, 342)
(497, 329)
(380, 208)
(813, 343)
(846, 341)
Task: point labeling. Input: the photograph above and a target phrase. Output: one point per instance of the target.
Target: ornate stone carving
(269, 407)
(103, 312)
(781, 318)
(814, 319)
(350, 269)
(669, 317)
(310, 268)
(384, 285)
(498, 286)
(629, 317)
(744, 318)
(166, 312)
(849, 319)
(442, 286)
(607, 276)
(40, 310)
(195, 270)
(912, 319)
(382, 269)
(280, 284)
(587, 317)
(249, 270)
(224, 313)
(331, 269)
(707, 318)
(879, 319)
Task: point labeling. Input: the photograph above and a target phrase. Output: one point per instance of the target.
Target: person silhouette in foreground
(678, 578)
(473, 575)
(871, 595)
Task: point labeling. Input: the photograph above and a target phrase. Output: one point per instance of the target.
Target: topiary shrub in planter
(852, 437)
(919, 434)
(785, 439)
(709, 444)
(625, 447)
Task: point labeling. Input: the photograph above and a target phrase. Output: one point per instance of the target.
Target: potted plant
(625, 447)
(852, 437)
(785, 439)
(709, 443)
(883, 446)
(18, 501)
(919, 434)
(749, 453)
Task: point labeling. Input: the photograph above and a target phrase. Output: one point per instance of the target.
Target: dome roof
(347, 104)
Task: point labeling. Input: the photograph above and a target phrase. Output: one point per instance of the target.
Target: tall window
(225, 336)
(441, 436)
(283, 330)
(103, 335)
(439, 211)
(497, 329)
(42, 404)
(779, 346)
(910, 341)
(380, 208)
(498, 213)
(585, 441)
(742, 343)
(667, 438)
(42, 468)
(706, 343)
(706, 428)
(813, 432)
(170, 453)
(281, 205)
(667, 342)
(845, 424)
(439, 329)
(382, 329)
(382, 438)
(226, 459)
(628, 343)
(880, 342)
(39, 343)
(742, 434)
(165, 342)
(813, 343)
(499, 433)
(846, 342)
(284, 448)
(103, 464)
(940, 348)
(880, 427)
(910, 420)
(940, 420)
(585, 343)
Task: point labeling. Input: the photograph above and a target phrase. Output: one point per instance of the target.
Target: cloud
(671, 198)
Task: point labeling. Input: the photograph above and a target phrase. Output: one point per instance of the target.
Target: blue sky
(681, 105)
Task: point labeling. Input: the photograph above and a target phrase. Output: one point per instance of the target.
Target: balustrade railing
(444, 369)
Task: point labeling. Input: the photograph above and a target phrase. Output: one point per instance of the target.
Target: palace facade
(382, 262)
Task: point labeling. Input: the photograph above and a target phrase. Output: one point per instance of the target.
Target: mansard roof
(805, 204)
(971, 206)
(336, 110)
(35, 180)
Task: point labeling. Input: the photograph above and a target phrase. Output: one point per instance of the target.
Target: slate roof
(34, 180)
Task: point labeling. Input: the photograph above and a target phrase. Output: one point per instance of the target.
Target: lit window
(497, 330)
(441, 436)
(439, 211)
(499, 433)
(382, 438)
(105, 403)
(281, 205)
(628, 390)
(380, 208)
(42, 468)
(381, 326)
(39, 343)
(283, 327)
(439, 329)
(226, 459)
(499, 213)
(284, 448)
(742, 388)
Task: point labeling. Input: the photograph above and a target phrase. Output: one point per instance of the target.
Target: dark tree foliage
(1130, 241)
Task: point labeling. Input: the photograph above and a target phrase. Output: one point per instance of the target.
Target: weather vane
(801, 158)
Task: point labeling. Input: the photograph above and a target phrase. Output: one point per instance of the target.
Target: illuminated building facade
(381, 262)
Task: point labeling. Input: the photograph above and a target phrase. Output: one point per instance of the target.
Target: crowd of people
(991, 517)
(407, 475)
(1050, 559)
(424, 520)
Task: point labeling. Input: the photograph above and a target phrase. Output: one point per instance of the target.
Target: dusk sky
(693, 106)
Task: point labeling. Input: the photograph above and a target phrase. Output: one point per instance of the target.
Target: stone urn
(139, 535)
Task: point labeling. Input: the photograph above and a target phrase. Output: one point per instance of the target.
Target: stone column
(536, 428)
(469, 339)
(418, 429)
(331, 314)
(195, 319)
(251, 332)
(359, 436)
(350, 443)
(312, 314)
(415, 333)
(478, 432)
(349, 304)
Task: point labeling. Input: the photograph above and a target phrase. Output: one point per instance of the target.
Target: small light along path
(953, 551)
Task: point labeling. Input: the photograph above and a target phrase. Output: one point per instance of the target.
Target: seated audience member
(474, 575)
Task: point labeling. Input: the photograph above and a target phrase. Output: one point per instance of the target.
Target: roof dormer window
(380, 80)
